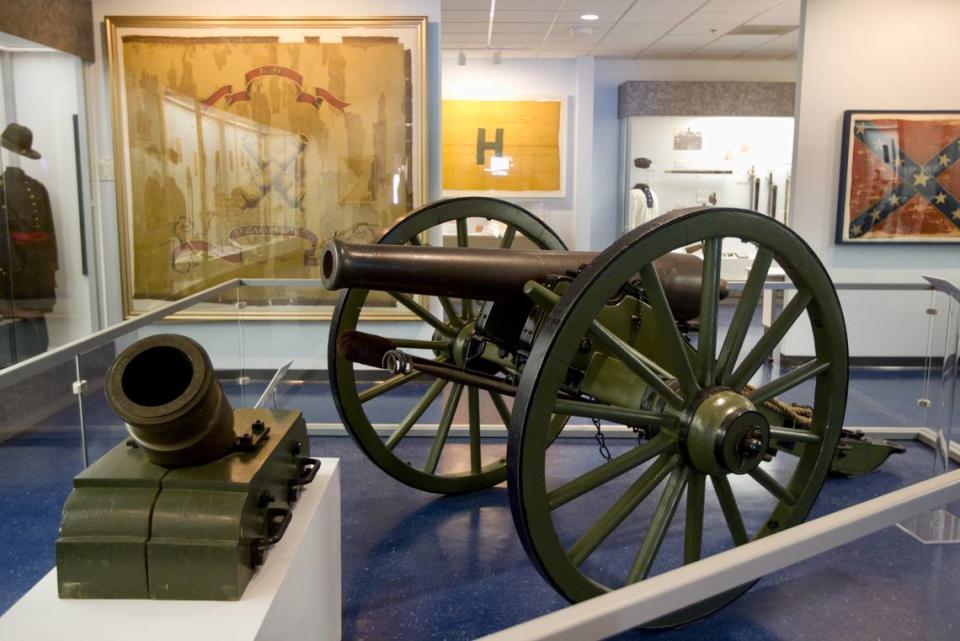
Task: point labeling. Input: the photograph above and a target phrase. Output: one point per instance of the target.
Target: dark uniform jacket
(28, 246)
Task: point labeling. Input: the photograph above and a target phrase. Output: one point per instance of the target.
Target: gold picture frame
(231, 136)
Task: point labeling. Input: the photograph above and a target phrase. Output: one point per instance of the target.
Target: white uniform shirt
(640, 210)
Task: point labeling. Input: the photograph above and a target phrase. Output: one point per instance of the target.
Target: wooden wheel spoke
(788, 381)
(443, 429)
(610, 470)
(473, 412)
(642, 366)
(731, 513)
(614, 413)
(450, 311)
(743, 315)
(764, 347)
(794, 436)
(423, 313)
(391, 383)
(622, 508)
(414, 415)
(557, 423)
(508, 235)
(773, 486)
(676, 346)
(501, 407)
(659, 523)
(709, 303)
(693, 526)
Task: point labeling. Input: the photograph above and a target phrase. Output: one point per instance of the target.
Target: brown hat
(19, 139)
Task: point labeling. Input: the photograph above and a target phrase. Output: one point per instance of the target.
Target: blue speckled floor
(420, 566)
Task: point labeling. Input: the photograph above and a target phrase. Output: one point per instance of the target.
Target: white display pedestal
(294, 595)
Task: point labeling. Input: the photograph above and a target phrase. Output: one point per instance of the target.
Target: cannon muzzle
(486, 274)
(164, 388)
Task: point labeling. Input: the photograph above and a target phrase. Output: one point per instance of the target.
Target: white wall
(607, 158)
(268, 344)
(870, 54)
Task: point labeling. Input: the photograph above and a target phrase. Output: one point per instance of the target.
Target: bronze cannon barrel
(460, 272)
(485, 274)
(165, 390)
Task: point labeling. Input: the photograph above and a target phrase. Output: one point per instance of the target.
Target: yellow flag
(503, 145)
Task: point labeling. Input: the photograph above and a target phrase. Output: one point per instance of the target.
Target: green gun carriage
(628, 336)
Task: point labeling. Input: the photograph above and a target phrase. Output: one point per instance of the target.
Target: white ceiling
(643, 29)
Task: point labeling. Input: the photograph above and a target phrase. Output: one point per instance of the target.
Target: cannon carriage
(630, 336)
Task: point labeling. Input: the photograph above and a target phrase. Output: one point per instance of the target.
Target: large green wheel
(714, 444)
(449, 322)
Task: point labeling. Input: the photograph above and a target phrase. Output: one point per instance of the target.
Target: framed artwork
(513, 148)
(900, 177)
(243, 144)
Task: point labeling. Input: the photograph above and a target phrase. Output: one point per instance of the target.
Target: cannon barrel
(164, 388)
(485, 274)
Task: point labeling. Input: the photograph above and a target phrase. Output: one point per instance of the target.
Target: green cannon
(561, 342)
(187, 507)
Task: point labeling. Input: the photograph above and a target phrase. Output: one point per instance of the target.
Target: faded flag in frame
(900, 177)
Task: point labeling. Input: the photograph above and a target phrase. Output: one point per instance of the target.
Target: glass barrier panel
(40, 452)
(940, 399)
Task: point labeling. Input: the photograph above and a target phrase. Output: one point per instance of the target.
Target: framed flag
(900, 177)
(513, 148)
(242, 144)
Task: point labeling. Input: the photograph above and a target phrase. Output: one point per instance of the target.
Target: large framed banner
(514, 148)
(900, 177)
(242, 145)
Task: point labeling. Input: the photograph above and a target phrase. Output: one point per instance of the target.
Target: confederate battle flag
(900, 178)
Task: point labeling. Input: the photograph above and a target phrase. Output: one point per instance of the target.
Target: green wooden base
(135, 530)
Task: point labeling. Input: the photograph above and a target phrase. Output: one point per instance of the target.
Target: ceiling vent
(763, 30)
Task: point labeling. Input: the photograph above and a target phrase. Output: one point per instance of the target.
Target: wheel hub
(725, 433)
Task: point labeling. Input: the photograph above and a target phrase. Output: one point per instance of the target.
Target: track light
(497, 57)
(462, 59)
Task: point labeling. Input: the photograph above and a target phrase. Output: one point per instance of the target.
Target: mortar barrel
(165, 389)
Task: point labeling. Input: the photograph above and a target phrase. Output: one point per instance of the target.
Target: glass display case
(47, 266)
(674, 162)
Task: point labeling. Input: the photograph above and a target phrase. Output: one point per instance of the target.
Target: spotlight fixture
(462, 58)
(497, 57)
(589, 17)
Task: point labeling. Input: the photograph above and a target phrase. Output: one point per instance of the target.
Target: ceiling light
(462, 59)
(497, 58)
(580, 30)
(589, 17)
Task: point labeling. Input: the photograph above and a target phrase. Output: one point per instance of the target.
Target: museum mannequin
(642, 203)
(28, 254)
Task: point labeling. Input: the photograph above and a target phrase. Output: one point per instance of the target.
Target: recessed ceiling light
(589, 17)
(580, 30)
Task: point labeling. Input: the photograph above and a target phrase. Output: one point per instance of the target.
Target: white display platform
(295, 595)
